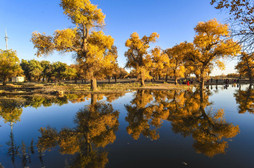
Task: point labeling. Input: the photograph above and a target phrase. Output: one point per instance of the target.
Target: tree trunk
(142, 82)
(4, 81)
(93, 102)
(176, 81)
(166, 79)
(250, 77)
(175, 77)
(202, 80)
(93, 99)
(93, 84)
(109, 79)
(115, 79)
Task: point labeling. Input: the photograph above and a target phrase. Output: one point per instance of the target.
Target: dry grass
(39, 88)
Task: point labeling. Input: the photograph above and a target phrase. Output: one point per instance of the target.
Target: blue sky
(173, 20)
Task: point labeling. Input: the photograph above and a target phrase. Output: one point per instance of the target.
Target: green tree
(70, 73)
(25, 67)
(35, 69)
(32, 69)
(46, 68)
(59, 70)
(9, 65)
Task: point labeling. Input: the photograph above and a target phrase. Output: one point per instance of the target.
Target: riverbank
(63, 88)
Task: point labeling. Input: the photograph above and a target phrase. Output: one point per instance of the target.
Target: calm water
(144, 128)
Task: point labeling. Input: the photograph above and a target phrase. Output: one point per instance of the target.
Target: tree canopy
(137, 54)
(9, 65)
(211, 43)
(92, 48)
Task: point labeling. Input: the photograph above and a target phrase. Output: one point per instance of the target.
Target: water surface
(144, 128)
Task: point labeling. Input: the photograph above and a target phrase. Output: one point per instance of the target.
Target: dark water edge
(145, 128)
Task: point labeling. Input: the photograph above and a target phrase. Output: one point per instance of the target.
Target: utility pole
(6, 40)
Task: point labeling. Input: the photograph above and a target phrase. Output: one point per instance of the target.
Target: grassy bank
(39, 88)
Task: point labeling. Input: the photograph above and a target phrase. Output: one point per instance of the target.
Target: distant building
(18, 79)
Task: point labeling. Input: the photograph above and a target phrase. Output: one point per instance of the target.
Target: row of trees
(96, 52)
(211, 43)
(35, 70)
(45, 70)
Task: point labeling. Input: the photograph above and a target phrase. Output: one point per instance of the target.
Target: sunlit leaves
(245, 99)
(246, 65)
(159, 61)
(211, 43)
(137, 54)
(9, 65)
(65, 40)
(83, 12)
(43, 43)
(92, 48)
(177, 61)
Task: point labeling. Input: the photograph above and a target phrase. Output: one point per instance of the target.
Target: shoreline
(29, 89)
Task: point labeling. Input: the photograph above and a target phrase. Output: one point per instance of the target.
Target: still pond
(139, 129)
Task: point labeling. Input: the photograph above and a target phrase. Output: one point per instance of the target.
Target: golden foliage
(159, 61)
(93, 49)
(9, 65)
(245, 99)
(211, 43)
(137, 54)
(177, 61)
(246, 65)
(83, 12)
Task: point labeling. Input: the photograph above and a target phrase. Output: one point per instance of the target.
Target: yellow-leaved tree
(211, 43)
(160, 62)
(246, 66)
(92, 48)
(9, 65)
(137, 55)
(176, 56)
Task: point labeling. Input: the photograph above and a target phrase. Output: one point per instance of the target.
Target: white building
(18, 79)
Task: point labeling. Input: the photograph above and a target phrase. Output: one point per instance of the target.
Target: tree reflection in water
(209, 129)
(189, 115)
(96, 125)
(10, 111)
(245, 99)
